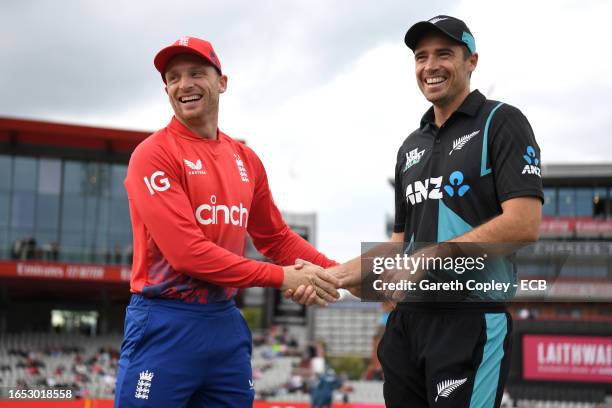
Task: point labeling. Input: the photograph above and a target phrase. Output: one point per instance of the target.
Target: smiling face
(193, 86)
(442, 69)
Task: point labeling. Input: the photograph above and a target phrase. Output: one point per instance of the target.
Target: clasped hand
(322, 287)
(307, 284)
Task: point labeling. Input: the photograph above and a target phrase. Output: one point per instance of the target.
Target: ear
(222, 83)
(473, 61)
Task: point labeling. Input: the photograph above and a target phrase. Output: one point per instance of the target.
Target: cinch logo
(214, 213)
(532, 166)
(183, 41)
(430, 189)
(413, 158)
(153, 185)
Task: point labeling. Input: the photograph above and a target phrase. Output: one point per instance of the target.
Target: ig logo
(153, 184)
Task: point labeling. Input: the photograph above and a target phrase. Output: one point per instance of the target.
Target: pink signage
(567, 358)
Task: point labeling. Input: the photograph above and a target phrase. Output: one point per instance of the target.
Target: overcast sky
(324, 91)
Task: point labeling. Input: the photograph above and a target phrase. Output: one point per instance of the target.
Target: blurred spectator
(16, 249)
(25, 249)
(524, 313)
(118, 254)
(54, 251)
(30, 248)
(129, 254)
(317, 362)
(295, 383)
(322, 393)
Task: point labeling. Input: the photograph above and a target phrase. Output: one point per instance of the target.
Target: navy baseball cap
(449, 26)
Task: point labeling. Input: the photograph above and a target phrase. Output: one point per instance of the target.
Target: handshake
(307, 283)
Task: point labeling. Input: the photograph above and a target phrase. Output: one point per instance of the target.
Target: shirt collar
(185, 132)
(470, 107)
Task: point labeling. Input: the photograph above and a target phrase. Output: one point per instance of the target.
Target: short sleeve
(400, 199)
(515, 156)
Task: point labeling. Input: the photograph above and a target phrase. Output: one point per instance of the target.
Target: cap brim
(414, 34)
(165, 55)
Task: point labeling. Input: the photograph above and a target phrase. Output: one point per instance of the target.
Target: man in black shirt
(469, 174)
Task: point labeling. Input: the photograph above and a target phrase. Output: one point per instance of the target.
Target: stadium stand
(87, 365)
(348, 328)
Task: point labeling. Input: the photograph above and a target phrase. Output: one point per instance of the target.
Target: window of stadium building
(75, 321)
(65, 210)
(600, 202)
(577, 202)
(6, 169)
(549, 208)
(567, 202)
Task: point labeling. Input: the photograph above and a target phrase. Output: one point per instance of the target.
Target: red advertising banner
(56, 404)
(64, 271)
(259, 404)
(567, 358)
(109, 404)
(585, 227)
(560, 227)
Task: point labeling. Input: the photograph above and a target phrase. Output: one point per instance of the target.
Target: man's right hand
(304, 274)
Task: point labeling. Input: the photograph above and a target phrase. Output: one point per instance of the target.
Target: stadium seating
(87, 365)
(35, 360)
(347, 328)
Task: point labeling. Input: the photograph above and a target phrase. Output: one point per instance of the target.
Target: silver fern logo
(437, 19)
(462, 141)
(445, 388)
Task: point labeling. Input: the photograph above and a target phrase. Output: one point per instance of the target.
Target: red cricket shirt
(192, 202)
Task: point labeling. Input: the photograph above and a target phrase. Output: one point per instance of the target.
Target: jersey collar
(176, 126)
(470, 107)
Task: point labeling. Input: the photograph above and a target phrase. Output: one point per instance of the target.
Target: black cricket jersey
(451, 179)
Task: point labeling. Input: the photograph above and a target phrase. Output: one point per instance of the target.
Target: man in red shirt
(194, 194)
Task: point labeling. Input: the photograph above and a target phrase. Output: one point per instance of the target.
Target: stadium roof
(577, 170)
(19, 134)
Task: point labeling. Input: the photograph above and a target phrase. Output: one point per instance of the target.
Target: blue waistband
(217, 307)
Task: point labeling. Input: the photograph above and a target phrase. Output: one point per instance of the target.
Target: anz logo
(456, 183)
(533, 164)
(432, 188)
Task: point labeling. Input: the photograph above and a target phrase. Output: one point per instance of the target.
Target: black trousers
(445, 357)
